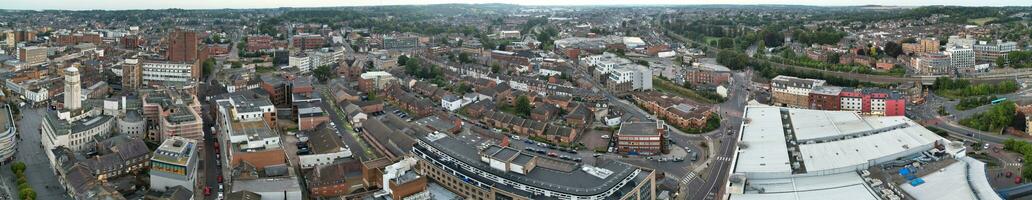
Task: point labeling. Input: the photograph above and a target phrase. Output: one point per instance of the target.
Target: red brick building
(697, 76)
(78, 38)
(132, 41)
(308, 41)
(826, 98)
(645, 138)
(182, 46)
(336, 179)
(259, 43)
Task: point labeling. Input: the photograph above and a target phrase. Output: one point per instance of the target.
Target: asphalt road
(711, 185)
(357, 149)
(209, 164)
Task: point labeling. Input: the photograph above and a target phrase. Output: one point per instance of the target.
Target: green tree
(523, 107)
(209, 66)
(732, 59)
(725, 43)
(18, 167)
(996, 118)
(495, 68)
(773, 38)
(411, 66)
(242, 45)
(27, 194)
(323, 73)
(892, 49)
(21, 179)
(464, 58)
(834, 58)
(402, 60)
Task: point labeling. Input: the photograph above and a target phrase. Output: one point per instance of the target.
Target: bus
(999, 100)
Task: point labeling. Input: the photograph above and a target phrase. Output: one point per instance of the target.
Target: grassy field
(667, 86)
(981, 21)
(711, 38)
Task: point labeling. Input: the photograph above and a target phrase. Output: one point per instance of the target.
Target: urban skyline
(250, 4)
(339, 100)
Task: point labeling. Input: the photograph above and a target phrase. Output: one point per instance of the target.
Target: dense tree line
(767, 71)
(790, 58)
(414, 67)
(732, 59)
(1016, 59)
(996, 118)
(949, 87)
(821, 36)
(974, 102)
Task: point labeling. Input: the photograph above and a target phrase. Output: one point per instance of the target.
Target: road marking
(688, 178)
(1014, 164)
(723, 158)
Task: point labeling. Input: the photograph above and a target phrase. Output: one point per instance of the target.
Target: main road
(711, 184)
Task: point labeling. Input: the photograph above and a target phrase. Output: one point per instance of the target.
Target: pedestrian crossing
(688, 178)
(723, 158)
(1014, 164)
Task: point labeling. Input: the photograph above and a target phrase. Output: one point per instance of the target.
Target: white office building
(987, 52)
(639, 76)
(174, 163)
(161, 73)
(961, 58)
(301, 61)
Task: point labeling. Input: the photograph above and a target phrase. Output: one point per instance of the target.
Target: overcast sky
(209, 4)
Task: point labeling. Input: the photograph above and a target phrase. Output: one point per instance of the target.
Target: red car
(207, 191)
(1017, 180)
(220, 178)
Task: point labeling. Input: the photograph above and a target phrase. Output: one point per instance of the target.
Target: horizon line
(511, 4)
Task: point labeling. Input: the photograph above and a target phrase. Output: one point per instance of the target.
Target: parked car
(552, 154)
(207, 191)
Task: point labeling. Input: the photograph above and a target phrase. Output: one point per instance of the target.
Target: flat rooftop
(764, 137)
(253, 129)
(639, 129)
(959, 181)
(175, 150)
(826, 139)
(838, 186)
(578, 181)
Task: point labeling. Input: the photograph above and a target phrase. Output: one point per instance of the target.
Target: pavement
(30, 151)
